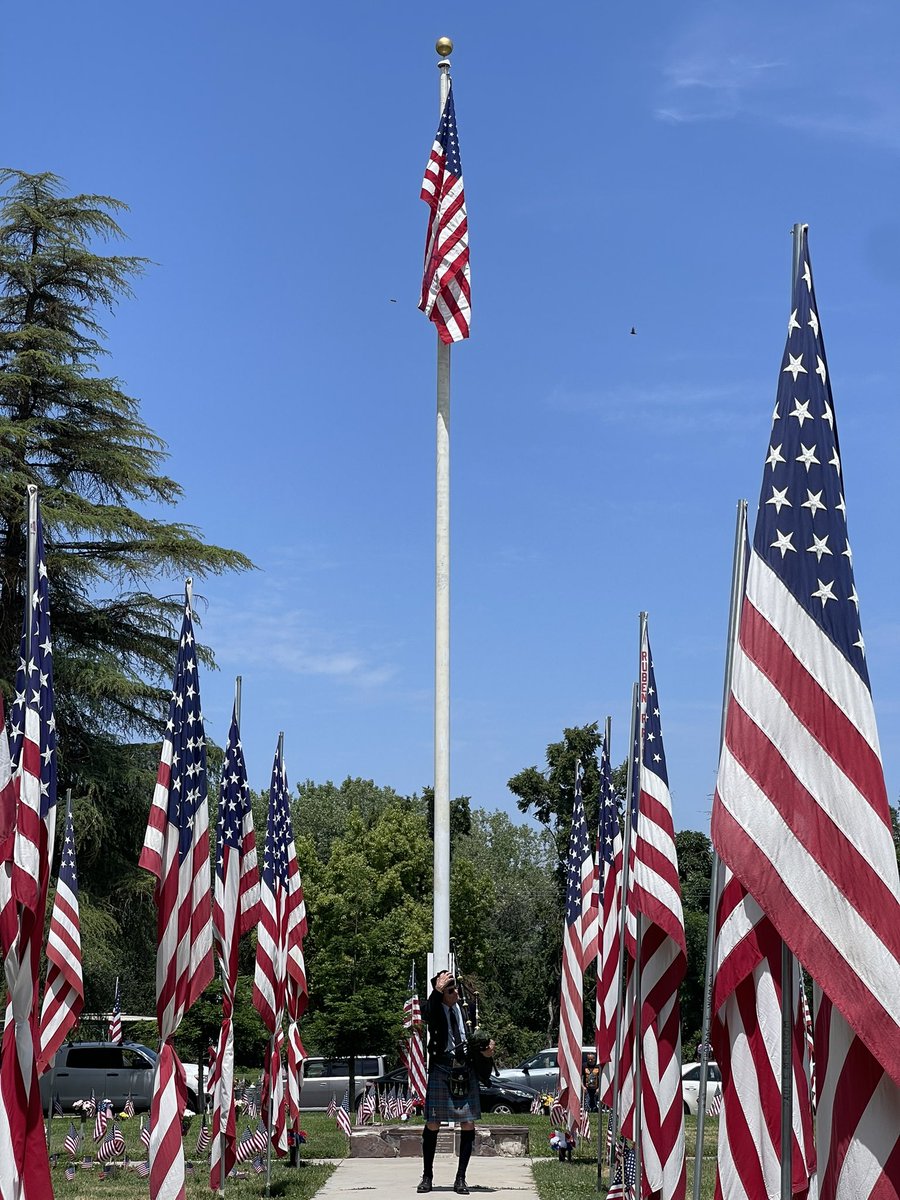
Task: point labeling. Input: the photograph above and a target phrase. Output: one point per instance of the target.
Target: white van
(327, 1079)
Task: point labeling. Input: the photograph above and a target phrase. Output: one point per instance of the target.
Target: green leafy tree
(78, 435)
(516, 864)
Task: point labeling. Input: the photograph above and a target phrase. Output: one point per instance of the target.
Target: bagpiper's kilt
(440, 1105)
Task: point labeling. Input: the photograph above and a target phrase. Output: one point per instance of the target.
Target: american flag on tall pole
(800, 813)
(609, 968)
(446, 294)
(64, 990)
(579, 879)
(412, 1048)
(654, 901)
(114, 1033)
(235, 912)
(176, 851)
(24, 882)
(279, 947)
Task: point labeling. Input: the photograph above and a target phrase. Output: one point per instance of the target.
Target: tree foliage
(77, 435)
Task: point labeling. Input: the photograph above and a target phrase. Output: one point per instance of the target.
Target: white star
(795, 366)
(835, 462)
(828, 415)
(824, 592)
(793, 323)
(783, 542)
(807, 456)
(820, 369)
(819, 547)
(861, 644)
(814, 502)
(801, 411)
(775, 456)
(775, 416)
(842, 506)
(847, 553)
(779, 499)
(807, 276)
(813, 322)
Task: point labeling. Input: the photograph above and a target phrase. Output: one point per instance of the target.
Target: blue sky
(625, 166)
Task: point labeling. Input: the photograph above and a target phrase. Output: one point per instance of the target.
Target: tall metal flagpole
(607, 738)
(738, 571)
(272, 1042)
(237, 716)
(643, 678)
(787, 959)
(444, 48)
(53, 1064)
(623, 917)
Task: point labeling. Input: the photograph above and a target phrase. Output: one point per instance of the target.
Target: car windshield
(151, 1054)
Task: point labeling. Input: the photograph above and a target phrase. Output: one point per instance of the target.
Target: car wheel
(192, 1102)
(687, 1109)
(501, 1107)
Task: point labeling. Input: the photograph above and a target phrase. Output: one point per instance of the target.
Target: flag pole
(787, 959)
(53, 1064)
(607, 737)
(643, 677)
(738, 571)
(623, 916)
(444, 48)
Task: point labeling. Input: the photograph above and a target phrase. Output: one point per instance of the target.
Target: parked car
(326, 1079)
(111, 1071)
(496, 1096)
(690, 1085)
(540, 1072)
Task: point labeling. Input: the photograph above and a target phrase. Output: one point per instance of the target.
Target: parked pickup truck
(113, 1072)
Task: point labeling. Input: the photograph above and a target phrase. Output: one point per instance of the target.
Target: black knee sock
(429, 1143)
(466, 1142)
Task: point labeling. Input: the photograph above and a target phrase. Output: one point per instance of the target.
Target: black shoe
(460, 1186)
(425, 1185)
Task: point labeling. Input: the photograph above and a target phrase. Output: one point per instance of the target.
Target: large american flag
(654, 900)
(280, 932)
(24, 882)
(176, 851)
(579, 879)
(609, 968)
(446, 296)
(412, 1049)
(235, 912)
(64, 989)
(800, 812)
(114, 1034)
(746, 1037)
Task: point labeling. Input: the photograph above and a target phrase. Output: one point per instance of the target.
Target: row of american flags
(805, 860)
(198, 919)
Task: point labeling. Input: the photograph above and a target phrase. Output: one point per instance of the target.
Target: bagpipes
(469, 1056)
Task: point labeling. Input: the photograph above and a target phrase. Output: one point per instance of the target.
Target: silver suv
(110, 1071)
(326, 1079)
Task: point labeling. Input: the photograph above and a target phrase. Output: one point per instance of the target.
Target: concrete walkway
(397, 1178)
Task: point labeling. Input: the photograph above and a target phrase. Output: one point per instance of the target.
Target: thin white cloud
(290, 641)
(734, 61)
(666, 406)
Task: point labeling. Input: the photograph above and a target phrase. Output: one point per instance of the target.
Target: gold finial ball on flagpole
(444, 47)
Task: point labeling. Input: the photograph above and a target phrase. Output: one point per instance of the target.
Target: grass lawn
(300, 1183)
(568, 1181)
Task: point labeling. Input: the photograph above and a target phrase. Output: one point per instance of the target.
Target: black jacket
(436, 1021)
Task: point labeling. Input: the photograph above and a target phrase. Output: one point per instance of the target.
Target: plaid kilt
(440, 1105)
